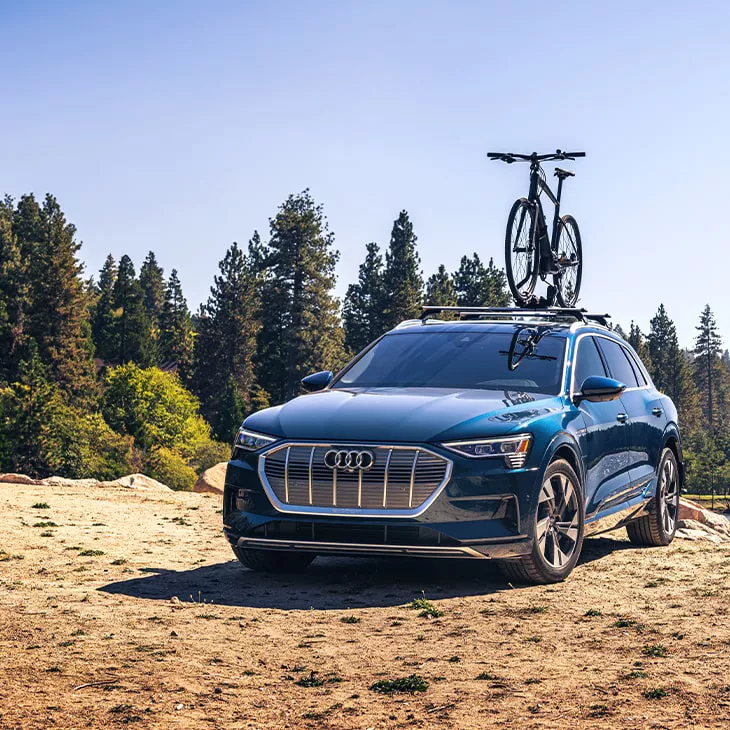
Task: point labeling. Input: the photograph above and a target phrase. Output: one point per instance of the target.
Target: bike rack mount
(578, 315)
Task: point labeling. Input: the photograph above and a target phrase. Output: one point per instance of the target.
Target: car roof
(559, 328)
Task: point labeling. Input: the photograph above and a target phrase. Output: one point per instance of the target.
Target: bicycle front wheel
(520, 251)
(570, 258)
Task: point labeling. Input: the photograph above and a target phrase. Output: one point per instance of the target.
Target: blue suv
(485, 433)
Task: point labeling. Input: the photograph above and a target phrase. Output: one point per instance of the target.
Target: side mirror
(598, 389)
(317, 381)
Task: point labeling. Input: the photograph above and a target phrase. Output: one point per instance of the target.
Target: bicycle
(529, 250)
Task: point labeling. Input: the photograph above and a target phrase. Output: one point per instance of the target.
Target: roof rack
(578, 315)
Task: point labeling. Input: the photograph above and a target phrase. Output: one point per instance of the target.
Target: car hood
(403, 414)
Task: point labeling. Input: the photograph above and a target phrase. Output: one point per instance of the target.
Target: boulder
(17, 479)
(694, 530)
(63, 482)
(137, 481)
(212, 480)
(689, 510)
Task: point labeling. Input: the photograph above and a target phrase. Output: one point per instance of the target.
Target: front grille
(401, 479)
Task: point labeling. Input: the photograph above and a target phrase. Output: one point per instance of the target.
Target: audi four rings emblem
(349, 460)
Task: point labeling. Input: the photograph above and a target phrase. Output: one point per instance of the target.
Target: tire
(555, 550)
(273, 561)
(521, 265)
(658, 527)
(569, 246)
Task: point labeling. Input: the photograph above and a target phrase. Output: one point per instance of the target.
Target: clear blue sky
(180, 126)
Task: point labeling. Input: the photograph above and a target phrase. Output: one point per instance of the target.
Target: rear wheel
(521, 252)
(273, 561)
(557, 529)
(658, 527)
(569, 250)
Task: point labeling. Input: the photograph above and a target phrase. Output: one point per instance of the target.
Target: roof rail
(579, 315)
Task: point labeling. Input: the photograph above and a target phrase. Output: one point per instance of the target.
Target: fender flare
(671, 431)
(563, 439)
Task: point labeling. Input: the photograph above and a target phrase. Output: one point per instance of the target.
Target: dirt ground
(128, 609)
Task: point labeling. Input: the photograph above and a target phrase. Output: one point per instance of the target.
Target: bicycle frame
(538, 186)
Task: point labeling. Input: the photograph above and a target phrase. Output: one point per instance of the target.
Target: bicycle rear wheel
(520, 252)
(569, 251)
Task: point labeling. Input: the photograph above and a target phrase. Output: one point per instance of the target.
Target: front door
(604, 439)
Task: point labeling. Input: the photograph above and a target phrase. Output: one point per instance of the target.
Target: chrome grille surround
(402, 482)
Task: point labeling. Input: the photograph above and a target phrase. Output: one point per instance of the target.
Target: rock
(63, 482)
(137, 481)
(212, 480)
(694, 530)
(17, 479)
(692, 511)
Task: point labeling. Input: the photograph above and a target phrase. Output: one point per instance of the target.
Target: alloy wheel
(668, 496)
(558, 520)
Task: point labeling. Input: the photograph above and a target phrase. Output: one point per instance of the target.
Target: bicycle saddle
(562, 174)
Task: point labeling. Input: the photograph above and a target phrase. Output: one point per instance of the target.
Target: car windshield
(464, 360)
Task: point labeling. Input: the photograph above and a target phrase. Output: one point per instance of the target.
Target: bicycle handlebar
(510, 157)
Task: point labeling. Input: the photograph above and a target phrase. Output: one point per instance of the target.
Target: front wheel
(557, 529)
(520, 251)
(569, 251)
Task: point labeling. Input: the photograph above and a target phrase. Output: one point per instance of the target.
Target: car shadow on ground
(332, 583)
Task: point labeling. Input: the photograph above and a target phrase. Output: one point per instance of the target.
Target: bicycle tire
(567, 282)
(524, 265)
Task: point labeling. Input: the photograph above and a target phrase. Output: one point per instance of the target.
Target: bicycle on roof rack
(530, 251)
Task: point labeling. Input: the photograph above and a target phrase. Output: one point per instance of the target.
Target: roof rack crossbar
(580, 315)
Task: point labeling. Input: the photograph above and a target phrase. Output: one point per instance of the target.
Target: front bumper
(482, 512)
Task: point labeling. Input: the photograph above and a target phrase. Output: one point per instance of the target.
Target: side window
(638, 369)
(618, 363)
(587, 362)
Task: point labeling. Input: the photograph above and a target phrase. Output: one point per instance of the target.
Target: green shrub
(408, 685)
(41, 434)
(155, 408)
(209, 454)
(82, 445)
(169, 468)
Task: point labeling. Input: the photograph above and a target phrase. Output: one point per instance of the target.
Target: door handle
(657, 412)
(622, 418)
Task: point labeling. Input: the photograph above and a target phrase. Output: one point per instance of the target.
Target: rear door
(604, 440)
(644, 409)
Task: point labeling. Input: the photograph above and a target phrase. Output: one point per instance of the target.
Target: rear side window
(638, 369)
(618, 363)
(587, 362)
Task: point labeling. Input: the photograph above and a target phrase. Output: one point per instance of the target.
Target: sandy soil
(130, 610)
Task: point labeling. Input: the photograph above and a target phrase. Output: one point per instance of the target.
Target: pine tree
(25, 407)
(301, 330)
(58, 319)
(225, 345)
(637, 340)
(176, 329)
(440, 289)
(152, 282)
(477, 285)
(365, 303)
(619, 330)
(402, 276)
(133, 329)
(104, 325)
(670, 368)
(708, 373)
(14, 294)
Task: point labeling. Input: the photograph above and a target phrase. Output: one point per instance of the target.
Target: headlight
(252, 441)
(513, 449)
